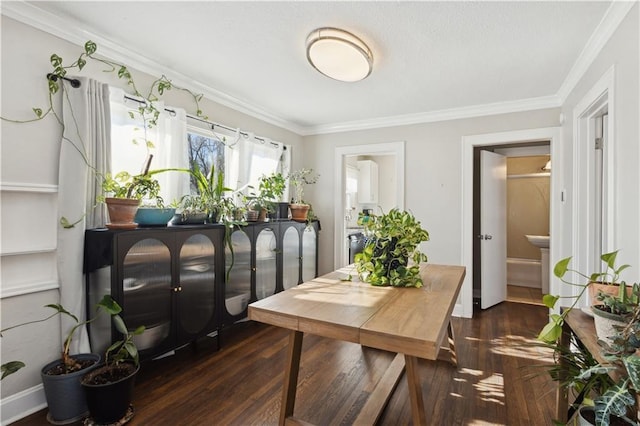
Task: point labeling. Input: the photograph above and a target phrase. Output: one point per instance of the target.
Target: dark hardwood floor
(499, 379)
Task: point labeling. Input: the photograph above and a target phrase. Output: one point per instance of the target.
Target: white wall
(28, 183)
(433, 168)
(433, 174)
(622, 53)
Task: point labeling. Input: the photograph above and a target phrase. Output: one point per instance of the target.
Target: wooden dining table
(411, 322)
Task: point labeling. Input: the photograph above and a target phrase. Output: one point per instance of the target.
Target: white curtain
(168, 139)
(84, 154)
(258, 157)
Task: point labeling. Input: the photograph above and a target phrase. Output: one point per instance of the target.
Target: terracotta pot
(121, 212)
(606, 288)
(262, 215)
(299, 212)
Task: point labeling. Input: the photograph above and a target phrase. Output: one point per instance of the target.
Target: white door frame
(599, 98)
(464, 306)
(341, 153)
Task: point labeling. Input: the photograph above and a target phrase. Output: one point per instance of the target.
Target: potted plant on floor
(61, 378)
(298, 179)
(109, 387)
(391, 256)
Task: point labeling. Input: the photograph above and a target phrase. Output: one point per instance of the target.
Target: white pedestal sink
(542, 242)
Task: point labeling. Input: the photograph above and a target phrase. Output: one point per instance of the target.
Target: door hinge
(599, 143)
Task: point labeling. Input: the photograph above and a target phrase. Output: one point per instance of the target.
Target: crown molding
(69, 30)
(530, 104)
(600, 36)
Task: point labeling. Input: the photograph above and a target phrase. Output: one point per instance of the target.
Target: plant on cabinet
(298, 179)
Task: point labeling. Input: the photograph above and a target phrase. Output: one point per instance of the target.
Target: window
(206, 152)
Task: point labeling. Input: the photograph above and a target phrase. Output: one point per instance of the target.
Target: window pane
(205, 152)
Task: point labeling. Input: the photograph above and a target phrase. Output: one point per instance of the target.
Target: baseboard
(22, 404)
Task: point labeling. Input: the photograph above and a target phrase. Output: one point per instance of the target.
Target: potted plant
(126, 191)
(391, 256)
(61, 378)
(553, 329)
(612, 311)
(109, 387)
(266, 200)
(619, 401)
(298, 179)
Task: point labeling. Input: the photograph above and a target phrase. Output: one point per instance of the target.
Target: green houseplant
(109, 387)
(298, 179)
(391, 256)
(552, 330)
(622, 352)
(270, 190)
(61, 378)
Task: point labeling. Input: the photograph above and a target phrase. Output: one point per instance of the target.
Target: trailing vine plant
(147, 111)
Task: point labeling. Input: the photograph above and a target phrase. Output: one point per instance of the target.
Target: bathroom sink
(541, 241)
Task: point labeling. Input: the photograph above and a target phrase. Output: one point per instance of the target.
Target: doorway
(392, 155)
(504, 139)
(511, 220)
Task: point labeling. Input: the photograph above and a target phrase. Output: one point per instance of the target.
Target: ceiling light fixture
(339, 54)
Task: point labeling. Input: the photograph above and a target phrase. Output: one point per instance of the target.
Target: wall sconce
(339, 54)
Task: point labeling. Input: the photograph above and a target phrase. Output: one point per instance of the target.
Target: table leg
(291, 376)
(415, 390)
(562, 400)
(452, 345)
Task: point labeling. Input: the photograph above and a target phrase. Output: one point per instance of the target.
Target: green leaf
(61, 310)
(10, 368)
(549, 300)
(38, 112)
(610, 259)
(90, 47)
(550, 332)
(118, 322)
(109, 305)
(632, 364)
(81, 63)
(561, 267)
(55, 60)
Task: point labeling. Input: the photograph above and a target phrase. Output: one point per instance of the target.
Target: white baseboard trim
(22, 404)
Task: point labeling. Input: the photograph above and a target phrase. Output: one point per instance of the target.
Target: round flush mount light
(338, 54)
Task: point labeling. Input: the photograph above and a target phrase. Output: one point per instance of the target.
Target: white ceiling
(430, 58)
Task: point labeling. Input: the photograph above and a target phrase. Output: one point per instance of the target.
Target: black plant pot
(65, 396)
(108, 402)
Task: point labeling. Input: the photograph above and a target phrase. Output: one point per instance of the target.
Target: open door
(493, 228)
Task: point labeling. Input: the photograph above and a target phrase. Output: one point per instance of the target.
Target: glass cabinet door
(237, 291)
(195, 290)
(290, 258)
(265, 263)
(146, 284)
(309, 244)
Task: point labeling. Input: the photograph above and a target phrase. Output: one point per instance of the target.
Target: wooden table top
(411, 321)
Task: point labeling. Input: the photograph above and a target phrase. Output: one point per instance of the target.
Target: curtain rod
(75, 83)
(211, 123)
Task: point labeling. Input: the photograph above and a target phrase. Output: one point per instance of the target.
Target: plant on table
(391, 255)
